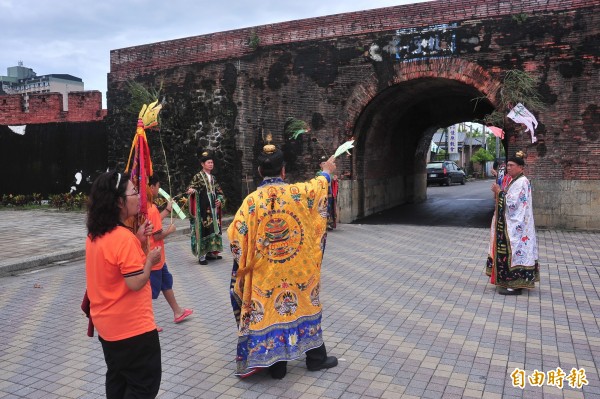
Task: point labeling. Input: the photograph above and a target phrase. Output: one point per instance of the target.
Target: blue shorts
(160, 280)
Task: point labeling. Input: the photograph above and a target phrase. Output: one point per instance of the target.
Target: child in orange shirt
(160, 277)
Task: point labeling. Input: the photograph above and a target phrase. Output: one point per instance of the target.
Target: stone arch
(457, 69)
(393, 122)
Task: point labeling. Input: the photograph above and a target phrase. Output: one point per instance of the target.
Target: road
(471, 205)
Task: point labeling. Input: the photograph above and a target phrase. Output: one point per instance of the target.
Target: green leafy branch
(140, 95)
(293, 128)
(253, 40)
(517, 87)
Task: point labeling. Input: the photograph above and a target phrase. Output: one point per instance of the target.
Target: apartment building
(23, 80)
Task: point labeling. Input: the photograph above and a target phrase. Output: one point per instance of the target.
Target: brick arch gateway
(394, 130)
(389, 77)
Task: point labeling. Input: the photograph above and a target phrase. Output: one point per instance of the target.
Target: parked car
(445, 172)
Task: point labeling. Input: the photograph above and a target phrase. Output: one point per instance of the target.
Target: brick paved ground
(406, 309)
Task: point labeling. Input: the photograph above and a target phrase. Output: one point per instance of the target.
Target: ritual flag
(520, 114)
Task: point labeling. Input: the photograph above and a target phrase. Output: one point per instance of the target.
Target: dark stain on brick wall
(572, 69)
(537, 28)
(320, 63)
(545, 91)
(591, 122)
(548, 96)
(229, 79)
(512, 61)
(346, 55)
(277, 76)
(385, 73)
(205, 84)
(317, 121)
(541, 149)
(590, 46)
(257, 83)
(540, 134)
(278, 71)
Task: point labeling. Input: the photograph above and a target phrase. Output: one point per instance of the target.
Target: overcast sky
(75, 36)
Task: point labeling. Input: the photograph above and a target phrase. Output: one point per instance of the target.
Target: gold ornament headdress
(269, 148)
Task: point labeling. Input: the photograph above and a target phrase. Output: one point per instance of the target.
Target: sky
(75, 36)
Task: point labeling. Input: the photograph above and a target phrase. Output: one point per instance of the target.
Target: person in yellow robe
(277, 240)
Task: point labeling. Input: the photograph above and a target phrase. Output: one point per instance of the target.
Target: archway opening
(393, 136)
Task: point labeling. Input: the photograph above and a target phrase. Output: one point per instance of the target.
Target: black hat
(205, 155)
(518, 158)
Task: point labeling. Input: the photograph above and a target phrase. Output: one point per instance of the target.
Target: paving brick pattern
(31, 236)
(407, 310)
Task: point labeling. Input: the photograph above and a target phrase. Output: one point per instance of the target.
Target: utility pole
(471, 148)
(440, 143)
(484, 138)
(497, 147)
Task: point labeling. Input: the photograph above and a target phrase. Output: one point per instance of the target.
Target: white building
(23, 80)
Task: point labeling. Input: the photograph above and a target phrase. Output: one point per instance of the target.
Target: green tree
(441, 155)
(482, 156)
(470, 134)
(491, 146)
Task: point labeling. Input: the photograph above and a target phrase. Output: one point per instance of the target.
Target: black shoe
(278, 370)
(213, 257)
(513, 291)
(330, 362)
(203, 262)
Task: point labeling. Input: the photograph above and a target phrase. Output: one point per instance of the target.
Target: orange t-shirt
(154, 217)
(117, 312)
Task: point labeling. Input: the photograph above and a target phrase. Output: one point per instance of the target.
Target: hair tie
(118, 180)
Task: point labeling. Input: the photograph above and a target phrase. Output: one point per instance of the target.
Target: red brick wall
(222, 94)
(129, 62)
(84, 106)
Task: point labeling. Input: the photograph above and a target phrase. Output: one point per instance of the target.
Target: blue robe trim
(279, 342)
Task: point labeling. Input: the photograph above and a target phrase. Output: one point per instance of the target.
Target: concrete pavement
(407, 310)
(39, 238)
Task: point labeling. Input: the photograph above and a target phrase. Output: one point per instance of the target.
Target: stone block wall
(566, 204)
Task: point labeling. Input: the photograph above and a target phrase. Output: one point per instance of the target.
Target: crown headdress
(269, 148)
(520, 154)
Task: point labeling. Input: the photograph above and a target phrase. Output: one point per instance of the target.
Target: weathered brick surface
(349, 76)
(84, 106)
(132, 61)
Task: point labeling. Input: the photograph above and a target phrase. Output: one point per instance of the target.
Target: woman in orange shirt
(117, 272)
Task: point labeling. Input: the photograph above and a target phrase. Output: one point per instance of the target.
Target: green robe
(205, 216)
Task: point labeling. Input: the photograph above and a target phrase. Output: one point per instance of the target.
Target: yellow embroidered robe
(277, 239)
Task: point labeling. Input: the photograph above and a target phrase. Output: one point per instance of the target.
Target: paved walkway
(406, 309)
(35, 238)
